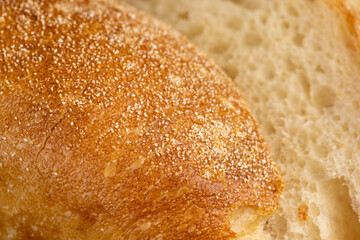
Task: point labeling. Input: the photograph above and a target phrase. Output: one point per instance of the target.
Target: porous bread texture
(297, 65)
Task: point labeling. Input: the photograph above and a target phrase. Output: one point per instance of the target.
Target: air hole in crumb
(231, 71)
(319, 69)
(337, 117)
(286, 25)
(281, 223)
(255, 99)
(312, 137)
(264, 19)
(194, 31)
(305, 83)
(237, 2)
(219, 46)
(247, 4)
(235, 23)
(323, 96)
(252, 40)
(343, 218)
(298, 39)
(268, 128)
(293, 11)
(317, 45)
(269, 71)
(184, 15)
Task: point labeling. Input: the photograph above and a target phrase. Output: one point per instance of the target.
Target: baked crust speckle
(113, 125)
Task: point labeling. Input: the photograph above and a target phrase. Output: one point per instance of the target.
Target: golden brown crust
(114, 126)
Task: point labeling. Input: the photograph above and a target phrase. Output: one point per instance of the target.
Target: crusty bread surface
(297, 64)
(113, 126)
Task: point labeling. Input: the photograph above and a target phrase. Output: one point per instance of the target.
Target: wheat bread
(297, 64)
(113, 126)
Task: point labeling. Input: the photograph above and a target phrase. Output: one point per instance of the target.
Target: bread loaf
(297, 64)
(113, 126)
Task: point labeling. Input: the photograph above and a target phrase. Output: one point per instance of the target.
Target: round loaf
(113, 126)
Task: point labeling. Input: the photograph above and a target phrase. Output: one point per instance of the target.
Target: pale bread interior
(248, 224)
(297, 65)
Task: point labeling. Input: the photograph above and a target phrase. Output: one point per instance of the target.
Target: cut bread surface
(297, 64)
